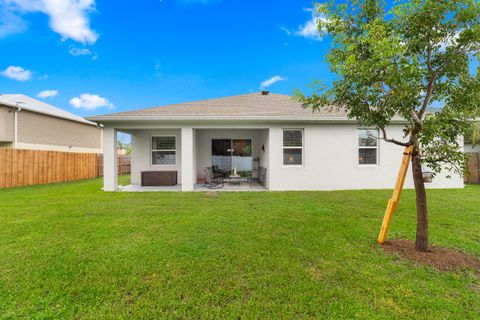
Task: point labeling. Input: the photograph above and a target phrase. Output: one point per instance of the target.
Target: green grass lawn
(72, 251)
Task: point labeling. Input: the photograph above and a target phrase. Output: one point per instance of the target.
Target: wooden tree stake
(393, 202)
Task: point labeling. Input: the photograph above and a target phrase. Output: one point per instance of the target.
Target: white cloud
(17, 73)
(267, 83)
(47, 94)
(286, 30)
(69, 18)
(309, 29)
(79, 52)
(451, 40)
(89, 101)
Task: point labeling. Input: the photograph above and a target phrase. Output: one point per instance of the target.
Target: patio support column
(110, 168)
(187, 159)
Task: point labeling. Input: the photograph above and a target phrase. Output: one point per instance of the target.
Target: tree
(399, 61)
(122, 145)
(473, 135)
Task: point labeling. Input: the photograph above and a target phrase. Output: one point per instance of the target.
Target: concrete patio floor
(139, 188)
(243, 186)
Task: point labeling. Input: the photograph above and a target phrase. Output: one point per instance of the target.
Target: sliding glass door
(233, 154)
(221, 154)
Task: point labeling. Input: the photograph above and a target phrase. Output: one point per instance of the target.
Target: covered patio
(184, 156)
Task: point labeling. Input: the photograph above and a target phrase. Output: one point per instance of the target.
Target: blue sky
(91, 57)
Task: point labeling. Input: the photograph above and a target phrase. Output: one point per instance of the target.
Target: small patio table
(235, 180)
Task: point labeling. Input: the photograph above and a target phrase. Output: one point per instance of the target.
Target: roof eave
(134, 119)
(26, 107)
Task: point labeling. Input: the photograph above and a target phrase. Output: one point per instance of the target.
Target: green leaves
(399, 63)
(475, 136)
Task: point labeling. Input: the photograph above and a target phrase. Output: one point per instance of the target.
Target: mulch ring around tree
(442, 259)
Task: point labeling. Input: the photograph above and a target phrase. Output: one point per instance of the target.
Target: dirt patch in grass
(442, 259)
(475, 287)
(211, 194)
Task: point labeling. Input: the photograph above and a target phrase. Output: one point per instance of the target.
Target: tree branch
(400, 143)
(430, 84)
(446, 161)
(416, 119)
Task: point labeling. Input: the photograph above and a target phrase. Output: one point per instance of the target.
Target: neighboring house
(26, 123)
(300, 149)
(469, 148)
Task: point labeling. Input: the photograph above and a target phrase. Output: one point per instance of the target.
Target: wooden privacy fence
(29, 167)
(473, 175)
(124, 164)
(20, 167)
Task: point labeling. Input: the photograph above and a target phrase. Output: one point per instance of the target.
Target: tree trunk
(421, 243)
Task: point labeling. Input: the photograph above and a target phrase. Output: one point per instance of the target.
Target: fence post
(120, 161)
(478, 167)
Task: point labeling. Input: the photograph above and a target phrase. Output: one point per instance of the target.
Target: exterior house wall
(330, 160)
(7, 124)
(141, 156)
(39, 131)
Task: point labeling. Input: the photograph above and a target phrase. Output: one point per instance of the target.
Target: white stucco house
(298, 149)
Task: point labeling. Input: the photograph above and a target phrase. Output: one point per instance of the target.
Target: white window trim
(377, 147)
(152, 150)
(302, 148)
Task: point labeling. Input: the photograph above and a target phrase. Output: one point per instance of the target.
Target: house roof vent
(265, 92)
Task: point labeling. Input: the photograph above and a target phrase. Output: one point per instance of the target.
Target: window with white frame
(163, 150)
(292, 147)
(367, 147)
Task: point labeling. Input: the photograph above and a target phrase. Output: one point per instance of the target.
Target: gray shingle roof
(34, 105)
(254, 106)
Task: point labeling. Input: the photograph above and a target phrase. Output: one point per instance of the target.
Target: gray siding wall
(7, 125)
(42, 129)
